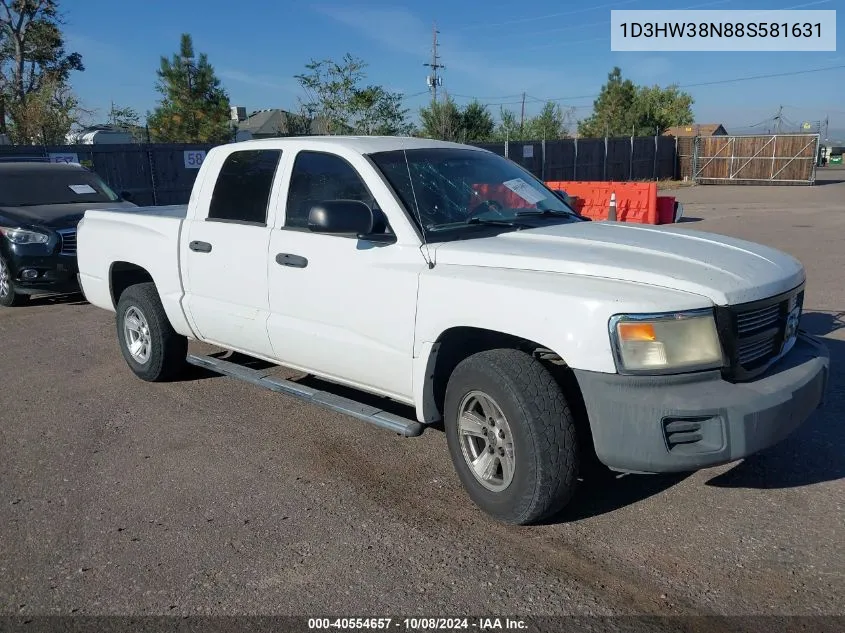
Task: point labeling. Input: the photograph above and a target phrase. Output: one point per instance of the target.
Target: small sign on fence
(63, 158)
(528, 151)
(194, 158)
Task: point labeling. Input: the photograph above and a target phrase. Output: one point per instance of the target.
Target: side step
(373, 415)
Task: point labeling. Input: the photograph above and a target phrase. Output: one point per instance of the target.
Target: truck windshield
(39, 185)
(448, 189)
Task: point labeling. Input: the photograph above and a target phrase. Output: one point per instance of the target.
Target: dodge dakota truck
(449, 280)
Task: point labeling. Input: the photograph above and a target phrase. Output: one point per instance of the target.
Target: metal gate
(783, 159)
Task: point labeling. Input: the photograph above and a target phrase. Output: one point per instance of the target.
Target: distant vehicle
(40, 206)
(449, 279)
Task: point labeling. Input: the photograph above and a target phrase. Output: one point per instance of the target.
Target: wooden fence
(781, 159)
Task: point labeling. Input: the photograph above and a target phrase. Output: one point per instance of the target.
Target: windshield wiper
(547, 213)
(492, 222)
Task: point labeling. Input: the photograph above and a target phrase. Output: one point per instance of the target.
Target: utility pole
(778, 118)
(434, 80)
(522, 116)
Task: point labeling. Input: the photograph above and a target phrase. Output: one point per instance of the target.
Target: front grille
(753, 320)
(68, 242)
(753, 334)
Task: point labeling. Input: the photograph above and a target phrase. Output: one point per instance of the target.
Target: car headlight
(23, 236)
(666, 343)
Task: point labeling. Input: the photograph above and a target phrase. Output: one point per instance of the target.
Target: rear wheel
(8, 297)
(150, 345)
(511, 436)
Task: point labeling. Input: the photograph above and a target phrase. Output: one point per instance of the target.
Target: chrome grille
(68, 243)
(753, 320)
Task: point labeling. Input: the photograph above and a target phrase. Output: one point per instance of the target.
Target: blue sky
(493, 50)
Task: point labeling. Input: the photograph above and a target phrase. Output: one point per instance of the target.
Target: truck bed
(146, 238)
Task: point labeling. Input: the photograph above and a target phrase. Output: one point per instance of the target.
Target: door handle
(294, 261)
(200, 247)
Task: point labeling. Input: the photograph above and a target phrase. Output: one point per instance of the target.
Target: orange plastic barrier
(635, 202)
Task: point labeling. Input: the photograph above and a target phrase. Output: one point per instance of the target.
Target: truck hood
(727, 271)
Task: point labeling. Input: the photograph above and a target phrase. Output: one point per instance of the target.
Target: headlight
(666, 343)
(22, 236)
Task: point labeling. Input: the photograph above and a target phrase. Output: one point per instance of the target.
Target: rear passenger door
(225, 253)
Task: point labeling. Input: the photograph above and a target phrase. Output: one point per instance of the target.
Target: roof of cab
(361, 144)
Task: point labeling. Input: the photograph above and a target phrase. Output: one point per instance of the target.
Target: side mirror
(126, 195)
(341, 217)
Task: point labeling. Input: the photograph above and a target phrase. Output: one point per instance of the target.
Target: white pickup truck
(447, 278)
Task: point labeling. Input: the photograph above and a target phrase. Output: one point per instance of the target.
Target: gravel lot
(210, 496)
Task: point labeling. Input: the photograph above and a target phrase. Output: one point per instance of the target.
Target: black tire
(167, 349)
(10, 299)
(546, 453)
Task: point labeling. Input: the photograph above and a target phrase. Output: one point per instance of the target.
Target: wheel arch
(457, 343)
(122, 275)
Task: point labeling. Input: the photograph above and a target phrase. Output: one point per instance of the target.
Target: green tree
(624, 108)
(34, 65)
(660, 108)
(476, 122)
(375, 111)
(550, 124)
(194, 107)
(614, 111)
(336, 97)
(442, 120)
(508, 128)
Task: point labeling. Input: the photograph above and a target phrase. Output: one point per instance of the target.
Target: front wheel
(511, 436)
(150, 345)
(8, 297)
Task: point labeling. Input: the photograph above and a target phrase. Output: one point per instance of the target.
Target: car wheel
(511, 436)
(8, 297)
(150, 345)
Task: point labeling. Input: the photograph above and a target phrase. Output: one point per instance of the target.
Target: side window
(318, 177)
(242, 190)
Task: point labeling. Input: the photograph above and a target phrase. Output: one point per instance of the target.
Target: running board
(373, 415)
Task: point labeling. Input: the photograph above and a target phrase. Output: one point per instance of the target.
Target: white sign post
(194, 158)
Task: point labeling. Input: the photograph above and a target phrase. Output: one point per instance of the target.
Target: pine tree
(194, 107)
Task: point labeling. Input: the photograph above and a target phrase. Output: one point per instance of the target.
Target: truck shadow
(813, 453)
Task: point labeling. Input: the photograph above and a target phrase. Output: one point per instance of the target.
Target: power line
(479, 25)
(697, 84)
(606, 22)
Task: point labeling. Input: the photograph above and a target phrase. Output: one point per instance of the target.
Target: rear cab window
(243, 186)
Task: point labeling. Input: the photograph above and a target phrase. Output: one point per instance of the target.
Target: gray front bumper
(692, 421)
